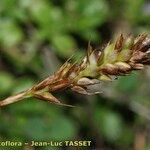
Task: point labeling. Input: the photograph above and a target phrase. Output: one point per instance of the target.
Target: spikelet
(118, 58)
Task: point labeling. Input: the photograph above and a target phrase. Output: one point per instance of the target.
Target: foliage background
(36, 37)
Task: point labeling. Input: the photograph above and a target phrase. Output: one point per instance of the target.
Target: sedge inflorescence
(117, 58)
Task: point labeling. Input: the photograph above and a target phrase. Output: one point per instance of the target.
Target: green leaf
(36, 128)
(87, 14)
(6, 82)
(134, 10)
(62, 128)
(23, 84)
(64, 45)
(128, 83)
(40, 12)
(10, 33)
(109, 124)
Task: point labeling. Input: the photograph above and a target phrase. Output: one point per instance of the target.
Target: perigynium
(117, 58)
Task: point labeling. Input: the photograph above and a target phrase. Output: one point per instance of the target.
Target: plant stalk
(13, 99)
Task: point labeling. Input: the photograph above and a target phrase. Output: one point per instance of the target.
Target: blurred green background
(36, 37)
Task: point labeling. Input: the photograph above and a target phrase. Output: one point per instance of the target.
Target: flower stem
(12, 99)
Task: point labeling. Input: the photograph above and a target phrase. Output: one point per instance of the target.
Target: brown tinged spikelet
(118, 58)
